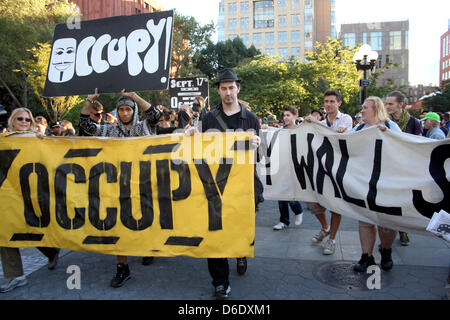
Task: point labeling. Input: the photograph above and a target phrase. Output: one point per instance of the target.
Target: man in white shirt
(340, 122)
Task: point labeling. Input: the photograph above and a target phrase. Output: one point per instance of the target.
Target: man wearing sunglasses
(96, 115)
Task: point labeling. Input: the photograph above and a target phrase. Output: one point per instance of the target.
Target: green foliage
(189, 37)
(227, 54)
(269, 83)
(439, 102)
(24, 23)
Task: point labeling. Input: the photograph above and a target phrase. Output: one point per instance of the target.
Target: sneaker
(14, 283)
(280, 226)
(298, 219)
(241, 265)
(122, 275)
(364, 263)
(221, 293)
(404, 240)
(386, 259)
(320, 236)
(147, 260)
(329, 247)
(53, 262)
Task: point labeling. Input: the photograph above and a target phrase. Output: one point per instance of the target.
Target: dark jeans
(219, 271)
(284, 210)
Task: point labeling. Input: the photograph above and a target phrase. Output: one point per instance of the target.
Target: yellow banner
(151, 196)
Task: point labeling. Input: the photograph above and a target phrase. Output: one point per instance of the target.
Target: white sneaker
(320, 236)
(14, 283)
(280, 226)
(298, 219)
(329, 247)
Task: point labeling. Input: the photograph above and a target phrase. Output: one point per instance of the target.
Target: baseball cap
(433, 116)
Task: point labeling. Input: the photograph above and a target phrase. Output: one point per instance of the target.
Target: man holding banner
(128, 125)
(230, 115)
(341, 123)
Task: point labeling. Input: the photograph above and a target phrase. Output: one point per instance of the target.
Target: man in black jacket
(230, 115)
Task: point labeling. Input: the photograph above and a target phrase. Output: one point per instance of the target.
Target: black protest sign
(185, 90)
(125, 52)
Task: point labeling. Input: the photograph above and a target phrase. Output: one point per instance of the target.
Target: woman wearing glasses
(21, 123)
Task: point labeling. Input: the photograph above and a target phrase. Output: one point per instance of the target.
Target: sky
(428, 20)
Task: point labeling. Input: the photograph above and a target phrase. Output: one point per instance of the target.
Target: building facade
(389, 39)
(444, 73)
(97, 9)
(288, 28)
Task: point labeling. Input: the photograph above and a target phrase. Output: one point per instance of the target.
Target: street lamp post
(365, 59)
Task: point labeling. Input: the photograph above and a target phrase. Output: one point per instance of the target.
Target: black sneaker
(221, 293)
(241, 265)
(122, 275)
(53, 262)
(386, 259)
(364, 263)
(404, 240)
(147, 260)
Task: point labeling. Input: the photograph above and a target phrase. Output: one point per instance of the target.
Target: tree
(227, 54)
(36, 68)
(271, 83)
(330, 66)
(440, 102)
(24, 23)
(189, 37)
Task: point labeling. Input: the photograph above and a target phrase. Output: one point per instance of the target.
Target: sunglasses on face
(22, 119)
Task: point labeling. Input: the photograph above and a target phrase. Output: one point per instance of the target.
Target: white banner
(392, 179)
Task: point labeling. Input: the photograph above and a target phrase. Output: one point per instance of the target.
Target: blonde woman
(21, 123)
(373, 113)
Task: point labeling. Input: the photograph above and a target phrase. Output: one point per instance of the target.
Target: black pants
(219, 271)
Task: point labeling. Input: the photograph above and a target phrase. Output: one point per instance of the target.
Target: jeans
(284, 210)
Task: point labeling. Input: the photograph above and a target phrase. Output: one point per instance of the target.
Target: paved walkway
(286, 267)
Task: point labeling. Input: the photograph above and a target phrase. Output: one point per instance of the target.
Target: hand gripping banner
(160, 196)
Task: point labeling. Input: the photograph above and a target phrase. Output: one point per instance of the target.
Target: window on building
(295, 52)
(245, 7)
(257, 38)
(308, 4)
(406, 39)
(282, 37)
(232, 36)
(350, 40)
(245, 38)
(364, 41)
(283, 52)
(395, 40)
(270, 38)
(308, 31)
(282, 21)
(282, 5)
(245, 23)
(295, 5)
(376, 41)
(295, 20)
(380, 62)
(295, 36)
(232, 24)
(270, 51)
(232, 8)
(263, 14)
(388, 59)
(308, 44)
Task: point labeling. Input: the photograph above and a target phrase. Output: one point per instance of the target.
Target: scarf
(404, 119)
